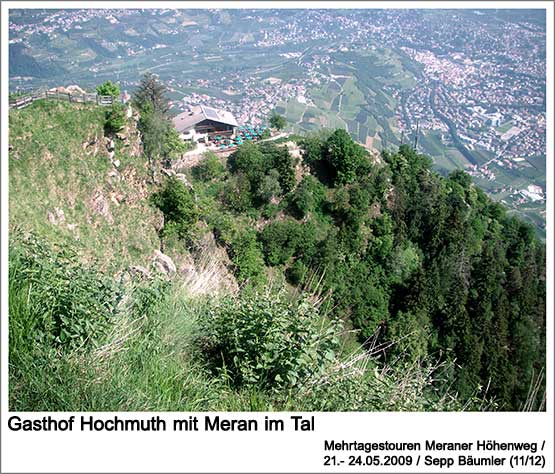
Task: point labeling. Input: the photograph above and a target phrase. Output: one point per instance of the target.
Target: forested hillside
(429, 265)
(300, 274)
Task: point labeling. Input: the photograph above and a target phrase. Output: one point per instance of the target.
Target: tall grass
(148, 356)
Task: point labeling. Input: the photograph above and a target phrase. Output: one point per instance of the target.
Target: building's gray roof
(188, 120)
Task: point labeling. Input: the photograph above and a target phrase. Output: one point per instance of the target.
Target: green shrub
(267, 341)
(210, 168)
(249, 160)
(108, 88)
(269, 211)
(279, 158)
(54, 300)
(237, 193)
(411, 334)
(313, 148)
(400, 385)
(114, 119)
(173, 146)
(405, 261)
(269, 187)
(246, 254)
(277, 121)
(347, 158)
(179, 208)
(284, 239)
(307, 197)
(266, 134)
(242, 247)
(296, 273)
(263, 165)
(281, 240)
(224, 227)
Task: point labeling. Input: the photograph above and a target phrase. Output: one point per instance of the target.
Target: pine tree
(151, 93)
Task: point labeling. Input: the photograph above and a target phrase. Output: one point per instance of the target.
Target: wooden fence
(21, 101)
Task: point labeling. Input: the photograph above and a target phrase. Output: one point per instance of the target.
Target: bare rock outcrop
(100, 205)
(164, 263)
(75, 89)
(113, 176)
(91, 146)
(168, 172)
(181, 177)
(159, 221)
(139, 271)
(56, 217)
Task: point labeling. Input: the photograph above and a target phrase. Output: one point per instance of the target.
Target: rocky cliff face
(75, 185)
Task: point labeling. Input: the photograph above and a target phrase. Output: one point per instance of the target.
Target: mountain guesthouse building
(202, 121)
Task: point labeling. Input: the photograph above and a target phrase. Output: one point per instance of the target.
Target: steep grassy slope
(64, 186)
(82, 342)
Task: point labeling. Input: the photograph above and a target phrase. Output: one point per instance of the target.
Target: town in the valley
(473, 100)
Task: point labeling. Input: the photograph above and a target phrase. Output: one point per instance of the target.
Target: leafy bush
(266, 341)
(108, 89)
(269, 211)
(307, 197)
(404, 262)
(313, 146)
(269, 169)
(269, 186)
(179, 208)
(114, 119)
(246, 254)
(281, 240)
(209, 168)
(347, 158)
(224, 226)
(242, 247)
(173, 146)
(154, 129)
(279, 158)
(366, 385)
(296, 273)
(266, 134)
(361, 291)
(277, 121)
(410, 334)
(249, 160)
(237, 193)
(54, 300)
